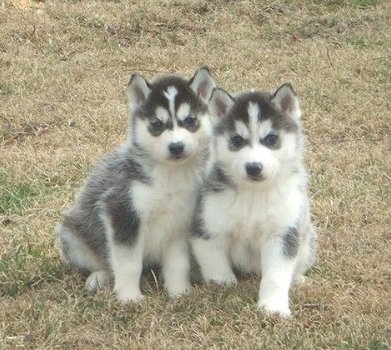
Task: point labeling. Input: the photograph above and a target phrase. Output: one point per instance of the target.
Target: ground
(64, 66)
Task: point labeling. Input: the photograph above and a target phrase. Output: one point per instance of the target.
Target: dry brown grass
(63, 71)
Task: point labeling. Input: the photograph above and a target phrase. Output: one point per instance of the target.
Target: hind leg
(76, 253)
(98, 279)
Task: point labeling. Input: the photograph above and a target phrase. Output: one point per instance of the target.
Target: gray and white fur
(137, 205)
(253, 211)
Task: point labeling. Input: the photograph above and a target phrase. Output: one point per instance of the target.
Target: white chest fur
(246, 216)
(165, 207)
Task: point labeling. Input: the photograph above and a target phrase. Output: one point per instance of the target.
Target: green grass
(15, 198)
(27, 266)
(362, 4)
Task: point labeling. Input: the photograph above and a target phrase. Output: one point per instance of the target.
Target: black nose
(253, 169)
(176, 148)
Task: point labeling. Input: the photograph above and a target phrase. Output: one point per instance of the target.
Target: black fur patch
(158, 131)
(191, 128)
(85, 219)
(239, 111)
(89, 228)
(185, 95)
(291, 242)
(225, 125)
(123, 217)
(217, 179)
(197, 225)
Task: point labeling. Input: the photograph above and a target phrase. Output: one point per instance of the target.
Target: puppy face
(256, 134)
(170, 115)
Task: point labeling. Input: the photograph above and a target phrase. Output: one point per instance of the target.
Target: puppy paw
(178, 291)
(96, 280)
(225, 280)
(129, 296)
(275, 307)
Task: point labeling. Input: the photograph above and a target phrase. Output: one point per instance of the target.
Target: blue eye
(270, 140)
(237, 141)
(157, 124)
(189, 121)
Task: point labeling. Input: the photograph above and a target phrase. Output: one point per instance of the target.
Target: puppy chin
(254, 179)
(177, 158)
(181, 158)
(251, 181)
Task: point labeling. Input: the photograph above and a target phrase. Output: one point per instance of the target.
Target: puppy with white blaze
(253, 211)
(136, 207)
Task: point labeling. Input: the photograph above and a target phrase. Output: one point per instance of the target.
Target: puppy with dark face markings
(137, 205)
(253, 212)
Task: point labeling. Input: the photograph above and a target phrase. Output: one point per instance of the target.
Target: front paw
(275, 307)
(125, 296)
(176, 291)
(228, 279)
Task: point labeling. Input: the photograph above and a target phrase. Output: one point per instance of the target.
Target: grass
(64, 70)
(14, 197)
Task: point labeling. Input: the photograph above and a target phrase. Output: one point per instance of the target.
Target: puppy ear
(285, 100)
(138, 91)
(220, 103)
(202, 84)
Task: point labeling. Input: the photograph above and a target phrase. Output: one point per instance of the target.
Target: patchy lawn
(64, 66)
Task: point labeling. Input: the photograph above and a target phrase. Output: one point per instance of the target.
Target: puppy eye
(238, 141)
(157, 124)
(189, 121)
(270, 140)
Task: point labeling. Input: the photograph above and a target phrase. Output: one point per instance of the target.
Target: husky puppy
(137, 205)
(253, 212)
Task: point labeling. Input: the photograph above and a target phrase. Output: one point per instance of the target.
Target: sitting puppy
(137, 205)
(253, 212)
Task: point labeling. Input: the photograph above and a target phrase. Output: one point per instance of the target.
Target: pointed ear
(138, 91)
(285, 100)
(220, 103)
(202, 84)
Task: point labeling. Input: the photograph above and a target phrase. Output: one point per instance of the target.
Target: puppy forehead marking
(162, 114)
(253, 111)
(241, 129)
(183, 111)
(170, 94)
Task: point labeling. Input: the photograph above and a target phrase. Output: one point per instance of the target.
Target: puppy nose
(253, 169)
(176, 148)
